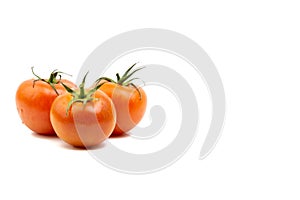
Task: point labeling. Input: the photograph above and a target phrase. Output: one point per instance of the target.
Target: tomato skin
(34, 103)
(85, 125)
(129, 107)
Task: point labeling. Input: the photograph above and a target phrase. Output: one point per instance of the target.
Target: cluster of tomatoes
(82, 117)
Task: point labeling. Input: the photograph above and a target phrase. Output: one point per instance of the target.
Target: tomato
(129, 100)
(129, 106)
(34, 99)
(83, 118)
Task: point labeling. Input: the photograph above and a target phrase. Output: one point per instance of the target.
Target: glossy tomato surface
(84, 125)
(34, 102)
(129, 103)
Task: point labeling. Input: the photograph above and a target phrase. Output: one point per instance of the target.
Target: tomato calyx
(82, 95)
(124, 79)
(55, 78)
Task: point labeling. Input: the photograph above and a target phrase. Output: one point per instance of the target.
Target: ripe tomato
(129, 106)
(34, 99)
(129, 100)
(83, 118)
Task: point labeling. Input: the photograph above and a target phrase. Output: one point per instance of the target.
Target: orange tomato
(84, 118)
(34, 99)
(129, 100)
(129, 103)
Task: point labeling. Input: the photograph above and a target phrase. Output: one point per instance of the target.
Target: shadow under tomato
(123, 135)
(47, 137)
(64, 145)
(70, 147)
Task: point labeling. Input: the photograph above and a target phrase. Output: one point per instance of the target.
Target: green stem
(52, 80)
(124, 80)
(83, 96)
(81, 93)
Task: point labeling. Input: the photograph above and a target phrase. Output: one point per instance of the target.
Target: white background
(255, 46)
